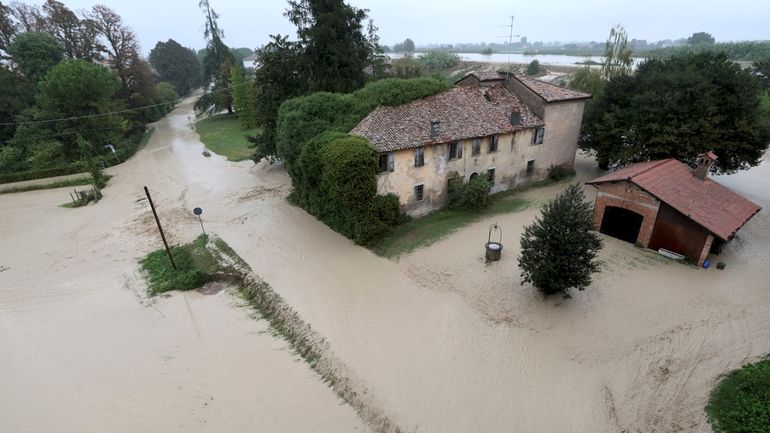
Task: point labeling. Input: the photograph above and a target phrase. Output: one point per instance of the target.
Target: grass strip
(426, 230)
(78, 181)
(223, 134)
(195, 266)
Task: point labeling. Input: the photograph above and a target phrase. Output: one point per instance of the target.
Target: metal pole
(163, 236)
(201, 221)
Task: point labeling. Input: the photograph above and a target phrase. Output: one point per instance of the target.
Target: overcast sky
(249, 23)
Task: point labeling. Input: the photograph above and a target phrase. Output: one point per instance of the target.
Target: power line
(128, 110)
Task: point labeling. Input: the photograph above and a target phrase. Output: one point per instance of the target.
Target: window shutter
(391, 162)
(459, 149)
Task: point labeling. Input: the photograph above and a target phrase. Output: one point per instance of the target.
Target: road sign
(198, 211)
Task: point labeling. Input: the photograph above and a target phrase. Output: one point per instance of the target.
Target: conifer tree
(559, 250)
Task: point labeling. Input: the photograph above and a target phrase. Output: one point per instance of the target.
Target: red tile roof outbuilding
(711, 205)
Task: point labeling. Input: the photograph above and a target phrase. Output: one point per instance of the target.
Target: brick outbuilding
(666, 204)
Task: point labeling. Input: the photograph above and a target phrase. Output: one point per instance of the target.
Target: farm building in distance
(666, 204)
(507, 127)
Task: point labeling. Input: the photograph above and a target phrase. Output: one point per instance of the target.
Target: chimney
(705, 161)
(515, 118)
(435, 128)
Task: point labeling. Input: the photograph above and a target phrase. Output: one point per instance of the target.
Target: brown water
(82, 349)
(441, 341)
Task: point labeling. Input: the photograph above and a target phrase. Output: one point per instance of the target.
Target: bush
(741, 402)
(10, 159)
(471, 196)
(560, 172)
(388, 210)
(350, 171)
(45, 154)
(533, 68)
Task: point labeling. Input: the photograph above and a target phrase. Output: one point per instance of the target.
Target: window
(455, 150)
(491, 176)
(537, 136)
(493, 143)
(386, 162)
(530, 167)
(419, 157)
(476, 149)
(418, 192)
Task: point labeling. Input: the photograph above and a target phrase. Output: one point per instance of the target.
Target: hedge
(41, 174)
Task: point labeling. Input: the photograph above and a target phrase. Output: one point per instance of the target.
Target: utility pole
(157, 220)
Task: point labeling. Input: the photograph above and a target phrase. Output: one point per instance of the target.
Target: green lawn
(222, 134)
(423, 231)
(741, 402)
(195, 267)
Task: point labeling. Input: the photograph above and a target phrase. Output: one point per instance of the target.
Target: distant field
(223, 135)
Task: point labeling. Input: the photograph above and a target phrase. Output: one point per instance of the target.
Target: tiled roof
(550, 92)
(463, 112)
(713, 206)
(485, 76)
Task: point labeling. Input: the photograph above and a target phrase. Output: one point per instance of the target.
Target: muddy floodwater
(437, 340)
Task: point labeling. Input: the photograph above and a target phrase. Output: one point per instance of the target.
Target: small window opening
(538, 135)
(419, 157)
(418, 192)
(530, 167)
(455, 150)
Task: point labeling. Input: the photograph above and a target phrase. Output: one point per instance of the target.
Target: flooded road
(438, 340)
(82, 349)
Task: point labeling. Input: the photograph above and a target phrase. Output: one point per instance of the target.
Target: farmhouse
(666, 204)
(504, 126)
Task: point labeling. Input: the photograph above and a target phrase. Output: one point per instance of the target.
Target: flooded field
(439, 341)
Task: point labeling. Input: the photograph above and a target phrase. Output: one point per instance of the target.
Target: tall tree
(120, 44)
(588, 80)
(177, 65)
(35, 54)
(218, 62)
(77, 36)
(8, 29)
(335, 48)
(82, 93)
(701, 38)
(16, 94)
(280, 76)
(243, 99)
(762, 72)
(28, 17)
(679, 107)
(617, 54)
(376, 58)
(406, 46)
(559, 251)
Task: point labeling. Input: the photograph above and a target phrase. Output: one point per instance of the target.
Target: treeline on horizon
(697, 43)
